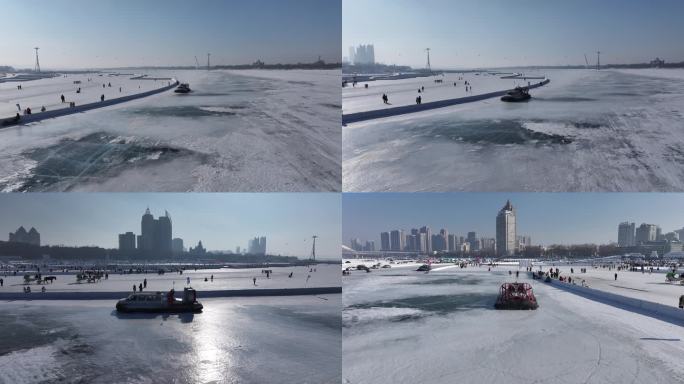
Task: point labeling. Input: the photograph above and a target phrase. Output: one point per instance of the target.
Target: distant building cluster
(648, 238)
(657, 62)
(257, 246)
(423, 241)
(22, 236)
(155, 239)
(363, 54)
(360, 246)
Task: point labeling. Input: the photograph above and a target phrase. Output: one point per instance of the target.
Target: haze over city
(499, 33)
(84, 34)
(549, 218)
(220, 221)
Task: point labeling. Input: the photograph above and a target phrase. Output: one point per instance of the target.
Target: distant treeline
(256, 65)
(375, 68)
(6, 69)
(93, 253)
(384, 69)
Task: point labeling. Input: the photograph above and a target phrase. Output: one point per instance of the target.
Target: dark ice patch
(500, 132)
(93, 157)
(182, 111)
(438, 304)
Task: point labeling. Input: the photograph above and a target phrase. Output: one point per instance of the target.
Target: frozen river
(402, 326)
(223, 279)
(238, 131)
(255, 340)
(585, 131)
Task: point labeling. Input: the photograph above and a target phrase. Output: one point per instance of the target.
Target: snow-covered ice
(244, 131)
(326, 275)
(585, 131)
(402, 326)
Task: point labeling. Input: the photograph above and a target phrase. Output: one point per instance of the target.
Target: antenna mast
(598, 60)
(313, 248)
(196, 63)
(37, 69)
(429, 68)
(586, 61)
(208, 61)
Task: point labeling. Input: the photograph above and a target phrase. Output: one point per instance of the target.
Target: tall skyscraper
(506, 234)
(163, 234)
(397, 240)
(147, 229)
(626, 234)
(155, 234)
(428, 239)
(127, 242)
(384, 241)
(473, 241)
(452, 242)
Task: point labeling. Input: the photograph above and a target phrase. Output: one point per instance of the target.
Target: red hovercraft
(516, 296)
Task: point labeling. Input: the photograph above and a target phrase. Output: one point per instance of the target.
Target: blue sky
(550, 218)
(101, 33)
(221, 221)
(493, 33)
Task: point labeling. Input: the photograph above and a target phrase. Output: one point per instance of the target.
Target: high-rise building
(257, 246)
(422, 243)
(506, 234)
(645, 233)
(428, 239)
(127, 242)
(155, 234)
(452, 242)
(473, 241)
(162, 234)
(523, 242)
(397, 240)
(147, 230)
(626, 234)
(22, 236)
(363, 54)
(384, 241)
(488, 244)
(177, 245)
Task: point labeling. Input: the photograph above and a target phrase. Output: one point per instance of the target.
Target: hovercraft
(516, 296)
(160, 302)
(516, 95)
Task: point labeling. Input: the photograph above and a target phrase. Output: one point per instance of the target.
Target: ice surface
(585, 131)
(324, 276)
(236, 132)
(402, 326)
(264, 340)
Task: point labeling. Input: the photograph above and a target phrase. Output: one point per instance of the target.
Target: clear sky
(498, 33)
(550, 218)
(221, 221)
(108, 33)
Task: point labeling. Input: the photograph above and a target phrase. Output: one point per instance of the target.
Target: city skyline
(579, 217)
(474, 34)
(81, 34)
(220, 221)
